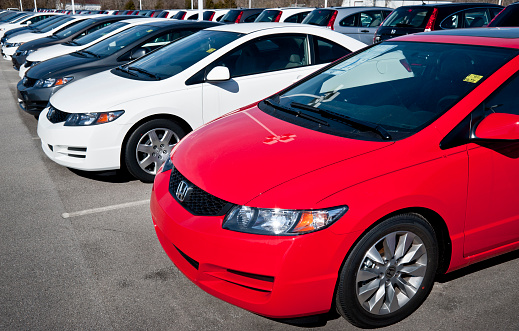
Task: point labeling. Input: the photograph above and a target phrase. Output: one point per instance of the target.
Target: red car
(353, 188)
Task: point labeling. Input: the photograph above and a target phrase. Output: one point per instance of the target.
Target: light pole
(35, 8)
(140, 4)
(21, 6)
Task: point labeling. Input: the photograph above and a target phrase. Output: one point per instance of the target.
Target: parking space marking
(107, 208)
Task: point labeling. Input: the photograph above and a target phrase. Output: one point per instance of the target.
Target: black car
(67, 35)
(31, 28)
(244, 15)
(45, 78)
(507, 17)
(422, 18)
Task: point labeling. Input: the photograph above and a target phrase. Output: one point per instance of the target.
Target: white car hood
(102, 92)
(29, 36)
(49, 52)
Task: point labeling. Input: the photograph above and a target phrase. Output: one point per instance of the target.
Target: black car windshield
(49, 21)
(182, 54)
(86, 39)
(398, 86)
(112, 44)
(73, 29)
(408, 17)
(231, 16)
(55, 24)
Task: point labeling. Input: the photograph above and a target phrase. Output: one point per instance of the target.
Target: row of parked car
(284, 183)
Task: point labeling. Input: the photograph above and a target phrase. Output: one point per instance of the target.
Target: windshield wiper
(349, 120)
(146, 72)
(296, 112)
(89, 52)
(121, 68)
(72, 43)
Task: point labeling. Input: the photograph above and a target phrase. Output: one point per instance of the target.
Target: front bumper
(18, 60)
(279, 277)
(89, 148)
(7, 52)
(32, 99)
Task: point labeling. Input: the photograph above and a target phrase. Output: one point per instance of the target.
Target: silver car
(356, 22)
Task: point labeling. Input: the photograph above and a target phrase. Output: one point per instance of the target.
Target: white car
(83, 42)
(12, 44)
(133, 115)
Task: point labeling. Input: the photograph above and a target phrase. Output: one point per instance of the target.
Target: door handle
(364, 30)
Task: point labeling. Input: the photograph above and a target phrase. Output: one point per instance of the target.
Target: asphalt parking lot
(78, 251)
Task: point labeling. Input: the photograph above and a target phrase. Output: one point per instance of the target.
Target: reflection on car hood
(46, 53)
(101, 92)
(230, 156)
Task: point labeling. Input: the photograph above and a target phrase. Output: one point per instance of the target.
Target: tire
(148, 147)
(389, 272)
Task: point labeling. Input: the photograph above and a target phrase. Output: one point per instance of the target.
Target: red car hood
(240, 156)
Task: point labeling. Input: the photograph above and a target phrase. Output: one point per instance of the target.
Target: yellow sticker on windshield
(472, 78)
(210, 50)
(149, 31)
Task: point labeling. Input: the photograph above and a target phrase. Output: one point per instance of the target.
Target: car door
(362, 26)
(493, 194)
(263, 67)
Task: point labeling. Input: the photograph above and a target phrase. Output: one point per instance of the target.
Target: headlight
(92, 118)
(27, 52)
(280, 221)
(50, 82)
(166, 166)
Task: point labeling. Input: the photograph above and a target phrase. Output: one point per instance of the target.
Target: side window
(163, 39)
(94, 28)
(293, 19)
(475, 18)
(495, 11)
(266, 54)
(505, 99)
(349, 20)
(371, 18)
(251, 18)
(451, 22)
(327, 51)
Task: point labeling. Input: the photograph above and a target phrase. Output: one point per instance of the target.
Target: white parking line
(103, 209)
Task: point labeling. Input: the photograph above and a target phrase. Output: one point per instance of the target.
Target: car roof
(168, 22)
(496, 37)
(454, 4)
(253, 27)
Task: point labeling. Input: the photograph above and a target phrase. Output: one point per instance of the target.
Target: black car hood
(61, 66)
(38, 43)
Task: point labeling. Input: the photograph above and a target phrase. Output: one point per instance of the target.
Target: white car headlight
(84, 119)
(280, 221)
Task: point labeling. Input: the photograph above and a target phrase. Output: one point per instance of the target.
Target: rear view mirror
(498, 126)
(218, 74)
(137, 53)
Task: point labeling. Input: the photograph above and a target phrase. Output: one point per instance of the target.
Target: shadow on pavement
(109, 176)
(478, 267)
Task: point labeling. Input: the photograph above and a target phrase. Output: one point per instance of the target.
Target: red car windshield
(401, 86)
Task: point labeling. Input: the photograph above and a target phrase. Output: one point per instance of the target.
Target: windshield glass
(73, 29)
(267, 16)
(401, 87)
(56, 24)
(319, 17)
(408, 17)
(118, 41)
(16, 17)
(46, 22)
(180, 55)
(231, 16)
(86, 39)
(21, 18)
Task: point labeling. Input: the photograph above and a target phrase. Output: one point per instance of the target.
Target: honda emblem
(183, 189)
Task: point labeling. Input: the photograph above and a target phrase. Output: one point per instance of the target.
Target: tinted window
(319, 17)
(408, 17)
(56, 24)
(83, 40)
(179, 15)
(505, 99)
(296, 18)
(475, 18)
(268, 16)
(327, 51)
(266, 54)
(350, 20)
(371, 18)
(251, 18)
(414, 83)
(73, 29)
(180, 55)
(231, 16)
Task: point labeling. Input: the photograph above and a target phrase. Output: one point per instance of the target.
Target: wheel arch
(433, 218)
(178, 120)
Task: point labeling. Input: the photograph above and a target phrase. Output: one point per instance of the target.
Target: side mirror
(29, 23)
(218, 74)
(138, 53)
(498, 126)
